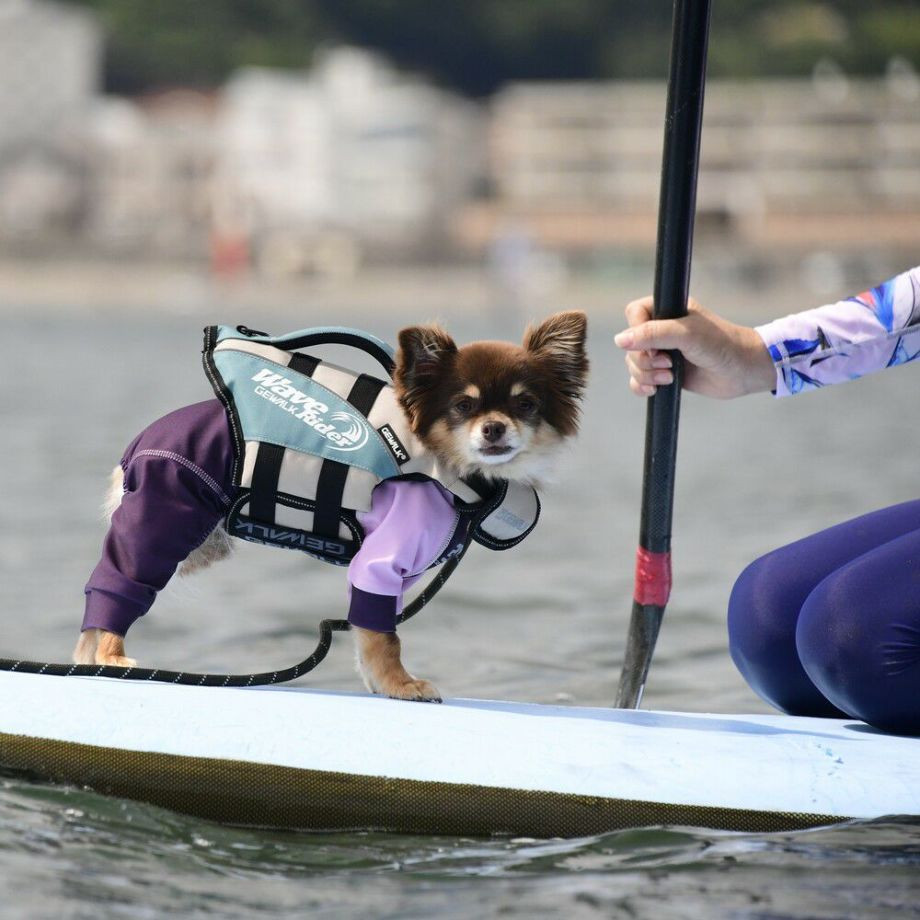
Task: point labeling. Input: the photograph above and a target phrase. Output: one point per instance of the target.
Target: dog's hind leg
(216, 546)
(97, 646)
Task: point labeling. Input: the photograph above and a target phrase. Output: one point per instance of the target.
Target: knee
(762, 614)
(864, 659)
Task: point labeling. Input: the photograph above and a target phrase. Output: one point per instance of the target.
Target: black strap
(303, 364)
(330, 487)
(267, 467)
(264, 486)
(364, 392)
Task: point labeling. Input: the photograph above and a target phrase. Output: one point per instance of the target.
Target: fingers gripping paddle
(677, 204)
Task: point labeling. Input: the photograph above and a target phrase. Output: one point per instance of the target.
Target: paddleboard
(305, 759)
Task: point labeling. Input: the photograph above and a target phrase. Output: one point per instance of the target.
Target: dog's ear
(560, 341)
(558, 347)
(424, 353)
(424, 350)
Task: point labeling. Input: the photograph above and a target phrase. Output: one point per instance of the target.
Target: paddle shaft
(677, 204)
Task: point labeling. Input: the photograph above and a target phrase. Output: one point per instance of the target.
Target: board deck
(308, 759)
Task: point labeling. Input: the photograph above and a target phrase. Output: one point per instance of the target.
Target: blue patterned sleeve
(847, 339)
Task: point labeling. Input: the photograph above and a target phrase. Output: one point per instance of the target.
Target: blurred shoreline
(103, 286)
(765, 286)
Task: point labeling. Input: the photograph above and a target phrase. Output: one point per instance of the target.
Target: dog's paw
(85, 651)
(420, 690)
(96, 646)
(118, 661)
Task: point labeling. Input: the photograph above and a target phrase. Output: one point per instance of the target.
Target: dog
(490, 409)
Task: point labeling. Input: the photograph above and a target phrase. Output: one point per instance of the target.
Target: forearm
(756, 372)
(847, 339)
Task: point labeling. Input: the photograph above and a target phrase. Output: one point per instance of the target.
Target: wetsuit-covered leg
(178, 484)
(769, 595)
(858, 636)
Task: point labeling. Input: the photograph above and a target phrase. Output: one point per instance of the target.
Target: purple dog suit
(178, 486)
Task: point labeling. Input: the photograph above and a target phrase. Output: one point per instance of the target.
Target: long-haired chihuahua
(496, 409)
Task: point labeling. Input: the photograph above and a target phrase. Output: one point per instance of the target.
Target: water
(543, 623)
(72, 854)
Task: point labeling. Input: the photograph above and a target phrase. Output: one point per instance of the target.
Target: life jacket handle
(379, 350)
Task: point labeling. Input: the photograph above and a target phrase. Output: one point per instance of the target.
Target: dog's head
(495, 408)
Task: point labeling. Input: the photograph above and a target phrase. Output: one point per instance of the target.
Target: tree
(475, 46)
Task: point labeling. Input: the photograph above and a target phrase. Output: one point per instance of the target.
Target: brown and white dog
(493, 408)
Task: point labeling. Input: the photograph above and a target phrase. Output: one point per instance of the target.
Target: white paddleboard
(299, 758)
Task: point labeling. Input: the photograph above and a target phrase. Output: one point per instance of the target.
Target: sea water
(544, 623)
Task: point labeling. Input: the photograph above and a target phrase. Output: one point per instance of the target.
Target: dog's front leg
(383, 672)
(97, 646)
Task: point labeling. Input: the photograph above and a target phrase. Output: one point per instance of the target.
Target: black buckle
(245, 330)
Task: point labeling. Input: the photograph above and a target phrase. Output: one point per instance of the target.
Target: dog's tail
(216, 546)
(113, 494)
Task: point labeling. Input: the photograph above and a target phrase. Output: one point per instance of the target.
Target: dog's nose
(492, 431)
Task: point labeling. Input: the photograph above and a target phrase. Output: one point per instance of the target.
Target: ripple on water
(70, 850)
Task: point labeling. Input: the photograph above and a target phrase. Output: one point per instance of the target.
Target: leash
(158, 675)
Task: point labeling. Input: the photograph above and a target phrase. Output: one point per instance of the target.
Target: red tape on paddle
(653, 578)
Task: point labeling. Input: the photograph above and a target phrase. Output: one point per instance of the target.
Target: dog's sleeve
(176, 480)
(406, 530)
(841, 341)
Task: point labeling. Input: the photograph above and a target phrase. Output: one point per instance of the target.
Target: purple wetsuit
(178, 486)
(830, 625)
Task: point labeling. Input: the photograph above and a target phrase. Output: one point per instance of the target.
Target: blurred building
(50, 62)
(153, 162)
(310, 171)
(350, 156)
(784, 163)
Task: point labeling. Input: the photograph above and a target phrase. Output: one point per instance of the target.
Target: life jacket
(312, 440)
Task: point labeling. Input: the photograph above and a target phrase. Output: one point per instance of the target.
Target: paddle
(677, 204)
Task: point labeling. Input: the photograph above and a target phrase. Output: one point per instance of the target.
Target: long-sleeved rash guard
(178, 486)
(848, 339)
(830, 625)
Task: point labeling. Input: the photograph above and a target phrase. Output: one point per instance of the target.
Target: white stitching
(197, 470)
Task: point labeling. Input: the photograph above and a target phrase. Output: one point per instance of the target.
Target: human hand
(721, 359)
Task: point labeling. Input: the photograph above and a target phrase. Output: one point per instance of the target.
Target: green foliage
(199, 42)
(477, 45)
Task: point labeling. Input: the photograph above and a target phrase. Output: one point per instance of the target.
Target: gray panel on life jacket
(512, 520)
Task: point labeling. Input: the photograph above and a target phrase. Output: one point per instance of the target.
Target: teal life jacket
(312, 440)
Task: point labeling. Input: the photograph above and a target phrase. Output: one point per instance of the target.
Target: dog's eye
(526, 405)
(464, 405)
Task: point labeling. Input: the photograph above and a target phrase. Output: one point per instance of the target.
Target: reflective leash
(159, 675)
